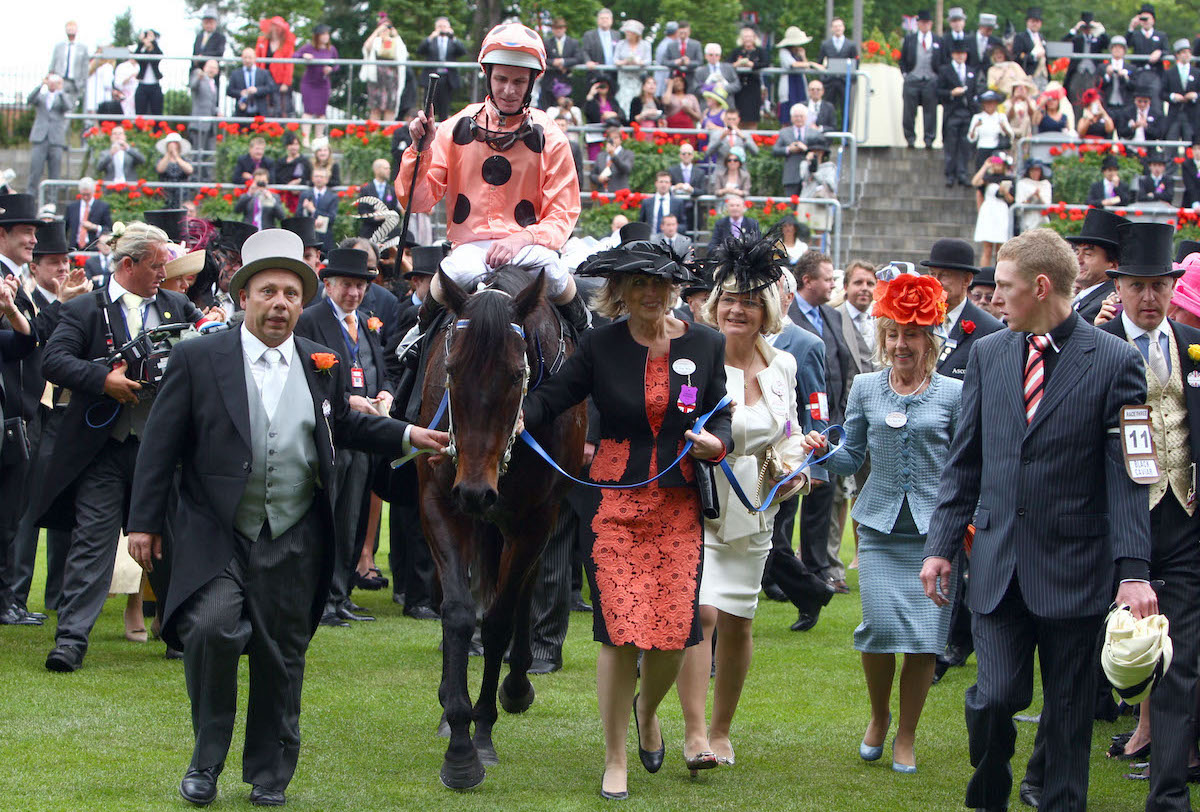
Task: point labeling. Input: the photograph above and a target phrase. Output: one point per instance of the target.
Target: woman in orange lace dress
(649, 378)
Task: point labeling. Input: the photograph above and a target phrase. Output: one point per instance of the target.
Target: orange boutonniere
(911, 299)
(374, 324)
(324, 361)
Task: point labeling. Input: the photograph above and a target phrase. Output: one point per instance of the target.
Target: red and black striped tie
(1035, 376)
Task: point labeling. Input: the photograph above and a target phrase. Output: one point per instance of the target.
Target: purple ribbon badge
(687, 399)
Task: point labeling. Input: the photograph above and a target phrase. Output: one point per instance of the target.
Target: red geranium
(911, 299)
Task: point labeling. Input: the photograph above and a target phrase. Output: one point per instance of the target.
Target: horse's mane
(490, 318)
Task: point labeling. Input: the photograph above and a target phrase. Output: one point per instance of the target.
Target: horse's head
(487, 372)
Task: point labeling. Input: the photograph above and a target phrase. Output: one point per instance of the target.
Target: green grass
(117, 735)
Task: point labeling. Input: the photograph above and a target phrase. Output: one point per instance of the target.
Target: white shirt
(269, 378)
(864, 322)
(838, 42)
(953, 316)
(149, 314)
(13, 268)
(50, 297)
(119, 167)
(1083, 294)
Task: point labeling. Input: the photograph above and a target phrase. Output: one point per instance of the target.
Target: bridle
(452, 447)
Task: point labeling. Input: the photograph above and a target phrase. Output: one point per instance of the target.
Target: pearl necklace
(896, 389)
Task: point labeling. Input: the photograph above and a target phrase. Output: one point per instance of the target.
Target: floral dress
(645, 560)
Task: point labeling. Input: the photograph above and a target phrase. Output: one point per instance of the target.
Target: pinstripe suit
(1052, 531)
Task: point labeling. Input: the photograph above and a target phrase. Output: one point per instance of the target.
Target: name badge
(357, 379)
(1137, 444)
(896, 420)
(1193, 379)
(684, 366)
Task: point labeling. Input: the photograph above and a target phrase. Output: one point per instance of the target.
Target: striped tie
(1035, 377)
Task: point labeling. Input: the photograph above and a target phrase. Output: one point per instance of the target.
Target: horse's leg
(516, 694)
(450, 538)
(494, 640)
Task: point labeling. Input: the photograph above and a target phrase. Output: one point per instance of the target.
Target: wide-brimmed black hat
(232, 234)
(1100, 227)
(426, 259)
(348, 262)
(51, 239)
(1047, 171)
(953, 254)
(984, 278)
(990, 95)
(18, 210)
(636, 254)
(1184, 248)
(305, 227)
(1146, 250)
(701, 285)
(169, 220)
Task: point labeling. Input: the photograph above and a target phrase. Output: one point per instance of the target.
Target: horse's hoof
(518, 704)
(443, 729)
(466, 775)
(487, 754)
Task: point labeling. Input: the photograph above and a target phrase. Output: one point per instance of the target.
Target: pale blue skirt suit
(894, 507)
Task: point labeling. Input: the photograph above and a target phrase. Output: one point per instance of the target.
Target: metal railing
(1148, 212)
(1038, 146)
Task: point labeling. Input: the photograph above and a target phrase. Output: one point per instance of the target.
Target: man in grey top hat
(253, 528)
(983, 41)
(210, 41)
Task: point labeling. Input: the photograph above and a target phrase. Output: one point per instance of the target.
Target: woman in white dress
(633, 51)
(993, 223)
(1035, 189)
(768, 439)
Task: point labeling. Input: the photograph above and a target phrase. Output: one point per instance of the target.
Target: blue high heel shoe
(903, 769)
(868, 753)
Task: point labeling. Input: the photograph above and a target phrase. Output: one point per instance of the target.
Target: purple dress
(314, 85)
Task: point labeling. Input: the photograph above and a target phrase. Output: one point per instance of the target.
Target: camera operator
(87, 476)
(259, 206)
(1086, 37)
(1145, 40)
(441, 46)
(148, 98)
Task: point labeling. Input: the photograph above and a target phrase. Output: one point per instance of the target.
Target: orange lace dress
(646, 553)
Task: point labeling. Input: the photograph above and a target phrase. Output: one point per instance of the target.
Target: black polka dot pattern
(462, 209)
(524, 214)
(535, 139)
(497, 170)
(462, 131)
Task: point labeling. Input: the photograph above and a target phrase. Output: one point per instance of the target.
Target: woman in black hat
(650, 376)
(793, 238)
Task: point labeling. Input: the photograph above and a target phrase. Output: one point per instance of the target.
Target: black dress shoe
(1030, 794)
(199, 787)
(939, 670)
(15, 616)
(578, 604)
(173, 654)
(344, 613)
(398, 597)
(540, 666)
(356, 609)
(421, 612)
(65, 659)
(25, 609)
(773, 592)
(261, 796)
(331, 619)
(806, 621)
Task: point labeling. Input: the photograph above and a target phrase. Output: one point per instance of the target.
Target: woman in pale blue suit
(905, 416)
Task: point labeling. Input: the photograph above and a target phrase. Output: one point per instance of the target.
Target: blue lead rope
(770, 498)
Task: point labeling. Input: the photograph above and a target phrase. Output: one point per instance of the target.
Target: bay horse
(488, 510)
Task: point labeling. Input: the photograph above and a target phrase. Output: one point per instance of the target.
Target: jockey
(506, 172)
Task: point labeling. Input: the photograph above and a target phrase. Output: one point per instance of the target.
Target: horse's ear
(453, 296)
(529, 298)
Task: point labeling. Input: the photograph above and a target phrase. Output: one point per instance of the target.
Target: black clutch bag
(706, 481)
(16, 442)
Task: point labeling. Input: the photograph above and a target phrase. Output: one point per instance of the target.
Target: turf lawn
(117, 736)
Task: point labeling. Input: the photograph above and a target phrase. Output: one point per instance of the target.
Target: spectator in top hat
(1110, 191)
(982, 42)
(919, 61)
(1182, 89)
(1189, 174)
(956, 90)
(952, 263)
(1114, 84)
(1141, 120)
(210, 41)
(87, 217)
(303, 226)
(337, 322)
(957, 19)
(1155, 185)
(1086, 37)
(1029, 48)
(983, 286)
(1145, 40)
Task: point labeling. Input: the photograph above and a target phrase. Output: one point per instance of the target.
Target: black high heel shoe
(651, 760)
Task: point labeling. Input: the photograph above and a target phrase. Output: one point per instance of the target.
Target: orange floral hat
(906, 297)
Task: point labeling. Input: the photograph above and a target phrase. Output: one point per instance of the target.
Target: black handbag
(706, 481)
(16, 442)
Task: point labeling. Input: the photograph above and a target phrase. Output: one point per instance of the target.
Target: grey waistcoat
(284, 464)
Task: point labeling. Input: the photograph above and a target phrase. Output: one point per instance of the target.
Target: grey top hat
(274, 249)
(987, 20)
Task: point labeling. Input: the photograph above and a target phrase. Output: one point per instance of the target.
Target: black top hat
(1100, 227)
(232, 234)
(984, 278)
(1186, 247)
(426, 259)
(702, 285)
(953, 254)
(924, 16)
(51, 239)
(1146, 250)
(349, 262)
(633, 232)
(1147, 8)
(303, 227)
(1110, 162)
(1155, 156)
(1034, 13)
(1087, 16)
(169, 220)
(18, 210)
(959, 46)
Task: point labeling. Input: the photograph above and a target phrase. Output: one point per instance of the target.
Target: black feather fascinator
(747, 264)
(637, 253)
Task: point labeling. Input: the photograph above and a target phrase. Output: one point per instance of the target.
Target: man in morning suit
(810, 310)
(442, 46)
(820, 112)
(48, 135)
(792, 146)
(1029, 48)
(734, 224)
(1110, 190)
(920, 57)
(952, 263)
(210, 41)
(838, 46)
(982, 42)
(1145, 279)
(87, 218)
(1182, 91)
(254, 526)
(1054, 531)
(321, 204)
(85, 484)
(1155, 185)
(956, 91)
(662, 203)
(687, 176)
(598, 45)
(336, 321)
(1096, 248)
(562, 54)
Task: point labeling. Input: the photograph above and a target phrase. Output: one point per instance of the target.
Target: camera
(145, 356)
(261, 184)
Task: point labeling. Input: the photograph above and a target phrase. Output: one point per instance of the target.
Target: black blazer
(908, 53)
(1122, 82)
(271, 215)
(455, 51)
(153, 63)
(610, 367)
(237, 83)
(1089, 306)
(675, 206)
(380, 301)
(1163, 191)
(824, 116)
(215, 47)
(974, 59)
(25, 376)
(848, 50)
(699, 179)
(1156, 122)
(1142, 45)
(245, 164)
(69, 361)
(100, 213)
(572, 55)
(319, 323)
(1173, 84)
(1189, 173)
(963, 104)
(839, 362)
(1063, 524)
(953, 360)
(1021, 51)
(1096, 194)
(723, 230)
(201, 420)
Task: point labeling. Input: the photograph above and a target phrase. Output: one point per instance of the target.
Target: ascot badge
(1137, 445)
